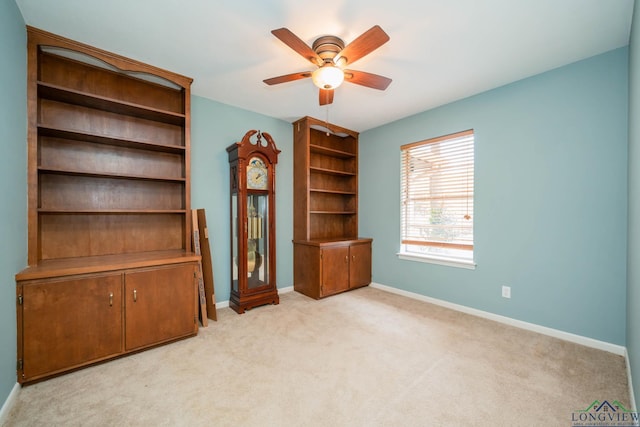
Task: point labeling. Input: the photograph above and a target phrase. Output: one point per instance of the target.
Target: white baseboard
(567, 336)
(224, 304)
(632, 397)
(8, 404)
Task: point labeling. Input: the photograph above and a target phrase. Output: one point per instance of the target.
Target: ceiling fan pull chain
(327, 120)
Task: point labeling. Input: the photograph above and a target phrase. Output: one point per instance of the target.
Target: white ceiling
(440, 50)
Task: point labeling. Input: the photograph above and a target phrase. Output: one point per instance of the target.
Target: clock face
(256, 174)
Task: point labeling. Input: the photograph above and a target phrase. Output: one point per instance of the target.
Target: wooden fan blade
(362, 78)
(295, 43)
(366, 43)
(287, 78)
(326, 96)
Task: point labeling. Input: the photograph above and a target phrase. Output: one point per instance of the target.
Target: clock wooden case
(253, 233)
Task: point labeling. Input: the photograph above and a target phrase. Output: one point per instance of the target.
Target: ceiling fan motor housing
(327, 47)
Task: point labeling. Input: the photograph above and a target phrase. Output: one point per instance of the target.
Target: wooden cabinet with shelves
(326, 208)
(108, 190)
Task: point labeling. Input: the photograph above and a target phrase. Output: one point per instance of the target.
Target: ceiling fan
(330, 55)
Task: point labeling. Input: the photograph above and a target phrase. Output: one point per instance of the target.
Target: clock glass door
(234, 242)
(257, 238)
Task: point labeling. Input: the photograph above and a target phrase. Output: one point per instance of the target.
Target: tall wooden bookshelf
(109, 208)
(329, 257)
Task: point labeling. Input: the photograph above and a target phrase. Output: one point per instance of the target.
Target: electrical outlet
(506, 292)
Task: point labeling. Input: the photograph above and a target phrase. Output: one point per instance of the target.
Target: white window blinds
(437, 192)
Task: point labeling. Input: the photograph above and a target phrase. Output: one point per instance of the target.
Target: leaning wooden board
(207, 266)
(196, 249)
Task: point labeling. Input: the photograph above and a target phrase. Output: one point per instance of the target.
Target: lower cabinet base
(71, 315)
(69, 369)
(319, 295)
(242, 303)
(324, 268)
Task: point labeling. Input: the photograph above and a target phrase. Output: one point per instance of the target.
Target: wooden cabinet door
(68, 323)
(160, 305)
(359, 265)
(335, 270)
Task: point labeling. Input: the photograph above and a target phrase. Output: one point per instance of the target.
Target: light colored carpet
(363, 358)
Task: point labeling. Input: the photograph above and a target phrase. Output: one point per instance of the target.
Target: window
(437, 199)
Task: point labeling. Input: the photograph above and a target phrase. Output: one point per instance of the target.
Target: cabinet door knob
(346, 258)
(110, 299)
(135, 295)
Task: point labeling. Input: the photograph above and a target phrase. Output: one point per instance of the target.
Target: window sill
(430, 259)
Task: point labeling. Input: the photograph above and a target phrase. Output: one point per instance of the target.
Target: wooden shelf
(343, 192)
(341, 241)
(96, 264)
(112, 211)
(76, 135)
(332, 171)
(107, 175)
(319, 149)
(333, 212)
(70, 96)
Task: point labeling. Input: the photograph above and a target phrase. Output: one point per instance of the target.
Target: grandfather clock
(252, 164)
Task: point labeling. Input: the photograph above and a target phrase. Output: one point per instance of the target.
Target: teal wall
(214, 127)
(550, 199)
(633, 256)
(13, 181)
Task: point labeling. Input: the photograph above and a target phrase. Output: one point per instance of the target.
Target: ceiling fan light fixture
(328, 77)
